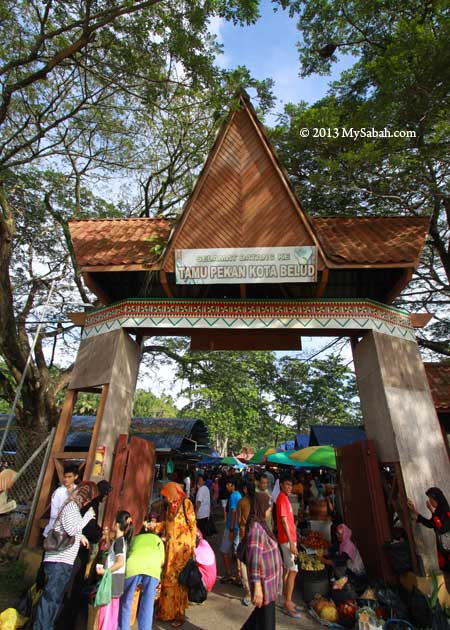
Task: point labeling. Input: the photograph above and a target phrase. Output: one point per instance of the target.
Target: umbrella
(319, 455)
(233, 461)
(260, 456)
(283, 458)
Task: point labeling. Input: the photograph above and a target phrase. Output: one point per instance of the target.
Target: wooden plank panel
(58, 446)
(117, 477)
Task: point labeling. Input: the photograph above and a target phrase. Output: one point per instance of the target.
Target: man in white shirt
(202, 505)
(61, 494)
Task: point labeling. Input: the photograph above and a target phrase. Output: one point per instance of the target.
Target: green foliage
(148, 405)
(255, 398)
(399, 81)
(322, 391)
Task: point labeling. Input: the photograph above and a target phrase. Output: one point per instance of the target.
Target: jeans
(58, 575)
(146, 603)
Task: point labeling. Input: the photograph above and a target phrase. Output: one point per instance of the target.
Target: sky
(268, 49)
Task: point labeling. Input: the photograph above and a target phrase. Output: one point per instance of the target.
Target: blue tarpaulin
(327, 435)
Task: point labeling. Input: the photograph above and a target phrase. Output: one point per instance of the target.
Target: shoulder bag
(58, 541)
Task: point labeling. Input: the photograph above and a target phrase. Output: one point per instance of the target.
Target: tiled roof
(439, 380)
(346, 241)
(103, 242)
(371, 240)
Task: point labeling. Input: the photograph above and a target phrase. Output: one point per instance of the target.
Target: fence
(26, 452)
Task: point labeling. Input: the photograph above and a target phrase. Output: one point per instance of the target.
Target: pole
(49, 441)
(25, 370)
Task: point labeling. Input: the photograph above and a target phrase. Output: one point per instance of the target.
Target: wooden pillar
(399, 415)
(110, 360)
(47, 483)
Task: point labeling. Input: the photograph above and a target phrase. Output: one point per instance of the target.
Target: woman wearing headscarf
(58, 564)
(348, 559)
(264, 565)
(440, 522)
(180, 530)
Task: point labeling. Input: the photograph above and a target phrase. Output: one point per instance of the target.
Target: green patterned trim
(304, 315)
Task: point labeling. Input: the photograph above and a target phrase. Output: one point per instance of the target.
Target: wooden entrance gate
(364, 507)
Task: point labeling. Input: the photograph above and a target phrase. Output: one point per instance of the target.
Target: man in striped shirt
(58, 564)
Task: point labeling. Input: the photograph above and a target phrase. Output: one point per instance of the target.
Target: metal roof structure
(184, 435)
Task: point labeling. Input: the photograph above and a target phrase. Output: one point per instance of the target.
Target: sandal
(228, 579)
(292, 613)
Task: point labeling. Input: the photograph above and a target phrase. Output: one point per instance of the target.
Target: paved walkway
(223, 609)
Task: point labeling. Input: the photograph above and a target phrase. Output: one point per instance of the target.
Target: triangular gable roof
(243, 197)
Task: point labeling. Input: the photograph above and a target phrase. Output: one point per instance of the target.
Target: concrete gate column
(110, 359)
(399, 415)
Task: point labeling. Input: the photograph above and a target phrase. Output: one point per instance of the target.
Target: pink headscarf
(346, 545)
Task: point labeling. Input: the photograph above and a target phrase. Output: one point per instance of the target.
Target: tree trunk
(37, 409)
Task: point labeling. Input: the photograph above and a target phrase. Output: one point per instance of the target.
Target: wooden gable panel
(242, 198)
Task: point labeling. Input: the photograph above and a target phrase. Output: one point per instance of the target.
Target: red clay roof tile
(371, 240)
(104, 242)
(439, 379)
(346, 241)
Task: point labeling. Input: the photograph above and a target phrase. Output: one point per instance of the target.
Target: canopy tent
(286, 460)
(319, 455)
(260, 456)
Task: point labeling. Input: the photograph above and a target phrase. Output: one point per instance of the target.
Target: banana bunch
(310, 563)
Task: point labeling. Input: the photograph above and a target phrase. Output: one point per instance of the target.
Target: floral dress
(180, 533)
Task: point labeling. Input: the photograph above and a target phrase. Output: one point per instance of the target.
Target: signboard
(252, 265)
(99, 463)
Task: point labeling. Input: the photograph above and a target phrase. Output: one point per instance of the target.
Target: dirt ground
(223, 609)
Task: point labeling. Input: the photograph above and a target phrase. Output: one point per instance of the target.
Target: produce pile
(310, 563)
(315, 540)
(350, 612)
(325, 609)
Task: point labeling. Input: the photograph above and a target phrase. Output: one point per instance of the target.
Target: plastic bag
(439, 620)
(104, 591)
(419, 609)
(10, 619)
(400, 556)
(192, 579)
(388, 598)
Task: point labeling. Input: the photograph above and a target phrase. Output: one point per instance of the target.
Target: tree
(322, 391)
(230, 392)
(77, 80)
(255, 398)
(147, 405)
(399, 81)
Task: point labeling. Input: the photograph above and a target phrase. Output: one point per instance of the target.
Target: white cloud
(215, 27)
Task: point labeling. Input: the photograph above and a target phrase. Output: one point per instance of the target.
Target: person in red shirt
(287, 538)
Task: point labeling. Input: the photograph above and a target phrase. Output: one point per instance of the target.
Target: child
(115, 562)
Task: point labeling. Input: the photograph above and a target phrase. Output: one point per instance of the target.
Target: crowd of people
(259, 549)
